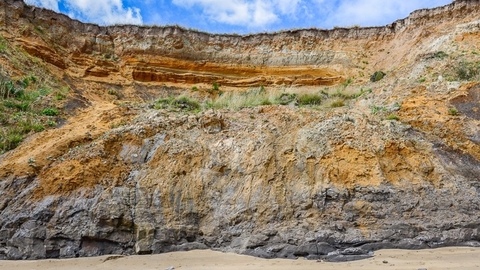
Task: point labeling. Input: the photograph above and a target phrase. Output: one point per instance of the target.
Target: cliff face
(271, 181)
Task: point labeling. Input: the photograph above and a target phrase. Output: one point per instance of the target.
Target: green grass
(453, 111)
(337, 103)
(377, 109)
(49, 112)
(182, 103)
(3, 45)
(467, 70)
(309, 99)
(393, 117)
(24, 109)
(215, 86)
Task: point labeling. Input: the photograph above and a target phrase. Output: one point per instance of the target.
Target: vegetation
(453, 111)
(337, 103)
(182, 103)
(393, 117)
(309, 99)
(467, 71)
(377, 109)
(28, 103)
(377, 76)
(215, 86)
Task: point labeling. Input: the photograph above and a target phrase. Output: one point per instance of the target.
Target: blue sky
(239, 16)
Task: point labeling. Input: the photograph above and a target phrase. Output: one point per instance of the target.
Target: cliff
(394, 164)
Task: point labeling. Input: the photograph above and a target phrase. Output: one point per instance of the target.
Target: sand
(442, 258)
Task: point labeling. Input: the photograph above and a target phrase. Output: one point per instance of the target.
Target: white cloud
(249, 13)
(104, 12)
(50, 4)
(370, 12)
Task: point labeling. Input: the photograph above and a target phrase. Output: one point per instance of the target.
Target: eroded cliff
(388, 164)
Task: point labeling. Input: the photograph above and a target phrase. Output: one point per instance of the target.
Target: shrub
(393, 117)
(183, 103)
(309, 99)
(3, 45)
(347, 82)
(10, 140)
(377, 109)
(377, 76)
(286, 98)
(440, 54)
(215, 86)
(50, 112)
(453, 111)
(186, 103)
(337, 103)
(467, 70)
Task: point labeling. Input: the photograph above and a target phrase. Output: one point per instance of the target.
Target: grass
(393, 117)
(215, 86)
(337, 103)
(309, 99)
(182, 103)
(30, 100)
(467, 71)
(3, 45)
(453, 111)
(377, 109)
(25, 107)
(377, 76)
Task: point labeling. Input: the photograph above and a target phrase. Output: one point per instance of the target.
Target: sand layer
(442, 258)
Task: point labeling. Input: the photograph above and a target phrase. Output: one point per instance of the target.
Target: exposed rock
(275, 181)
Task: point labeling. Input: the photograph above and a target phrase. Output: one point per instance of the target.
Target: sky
(239, 16)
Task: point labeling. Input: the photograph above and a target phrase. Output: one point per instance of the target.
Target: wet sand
(442, 258)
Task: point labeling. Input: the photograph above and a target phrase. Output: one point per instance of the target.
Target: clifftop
(174, 54)
(317, 143)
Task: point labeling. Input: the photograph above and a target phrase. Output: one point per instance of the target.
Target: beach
(431, 259)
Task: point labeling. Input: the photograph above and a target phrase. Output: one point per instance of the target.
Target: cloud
(104, 12)
(240, 15)
(50, 4)
(369, 12)
(249, 13)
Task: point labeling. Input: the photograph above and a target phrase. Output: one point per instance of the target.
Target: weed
(215, 86)
(194, 88)
(112, 92)
(337, 103)
(119, 124)
(286, 98)
(392, 117)
(183, 103)
(467, 70)
(453, 111)
(309, 99)
(49, 112)
(186, 103)
(377, 76)
(347, 82)
(377, 109)
(38, 127)
(440, 55)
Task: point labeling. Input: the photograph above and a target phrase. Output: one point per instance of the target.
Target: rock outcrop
(269, 181)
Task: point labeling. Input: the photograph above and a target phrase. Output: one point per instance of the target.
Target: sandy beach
(442, 258)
